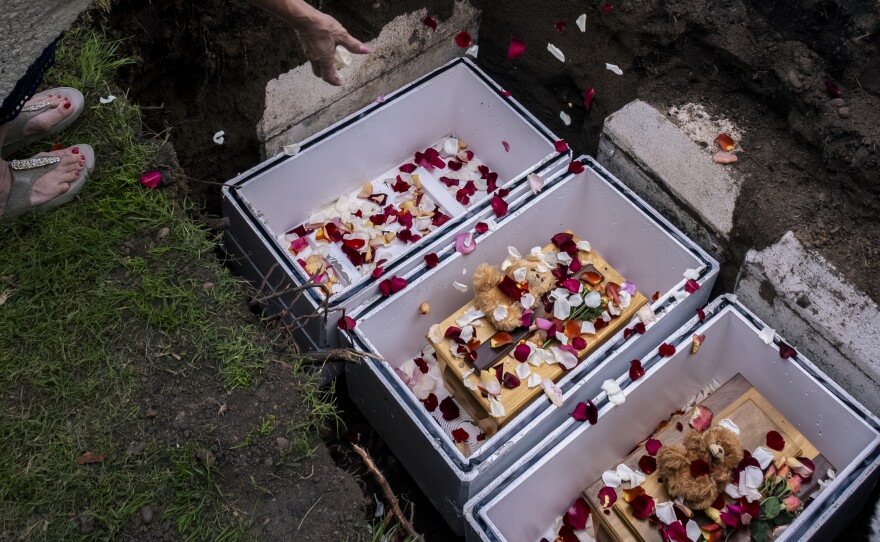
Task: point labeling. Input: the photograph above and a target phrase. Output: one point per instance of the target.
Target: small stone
(163, 232)
(268, 462)
(152, 413)
(843, 112)
(206, 457)
(282, 443)
(86, 523)
(838, 102)
(147, 514)
(208, 286)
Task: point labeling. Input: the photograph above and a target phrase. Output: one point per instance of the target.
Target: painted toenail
(75, 150)
(67, 105)
(76, 173)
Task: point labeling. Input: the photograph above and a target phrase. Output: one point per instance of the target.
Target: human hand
(319, 35)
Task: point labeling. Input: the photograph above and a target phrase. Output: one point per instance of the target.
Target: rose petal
(581, 22)
(725, 142)
(832, 88)
(611, 478)
(346, 322)
(499, 206)
(691, 286)
(566, 120)
(464, 243)
(701, 418)
(724, 157)
(463, 39)
(607, 8)
(430, 402)
(151, 179)
(586, 412)
(728, 424)
(521, 352)
(699, 467)
(560, 26)
(589, 94)
(613, 68)
(473, 50)
(517, 47)
(449, 409)
(578, 514)
(653, 446)
(534, 380)
(763, 456)
(510, 380)
(648, 464)
(801, 465)
(786, 351)
(552, 391)
(561, 146)
(576, 167)
(701, 314)
(767, 334)
(397, 284)
(607, 497)
(666, 350)
(554, 50)
(697, 341)
(430, 22)
(431, 260)
(642, 506)
(579, 343)
(635, 370)
(219, 137)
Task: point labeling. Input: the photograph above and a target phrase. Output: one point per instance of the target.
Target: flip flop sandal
(26, 172)
(15, 138)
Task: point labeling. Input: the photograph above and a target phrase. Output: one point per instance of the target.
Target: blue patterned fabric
(28, 84)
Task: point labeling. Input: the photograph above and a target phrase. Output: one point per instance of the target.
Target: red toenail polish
(76, 174)
(75, 150)
(67, 105)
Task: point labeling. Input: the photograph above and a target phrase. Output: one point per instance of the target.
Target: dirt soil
(810, 158)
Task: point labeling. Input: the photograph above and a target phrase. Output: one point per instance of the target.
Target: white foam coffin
(577, 453)
(631, 236)
(457, 99)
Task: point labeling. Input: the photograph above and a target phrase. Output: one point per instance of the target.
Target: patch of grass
(88, 290)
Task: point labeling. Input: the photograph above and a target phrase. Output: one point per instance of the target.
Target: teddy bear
(718, 447)
(494, 288)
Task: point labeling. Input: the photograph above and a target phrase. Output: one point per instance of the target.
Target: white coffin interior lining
(731, 346)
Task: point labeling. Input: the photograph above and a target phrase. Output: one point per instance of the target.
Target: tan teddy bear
(720, 448)
(536, 279)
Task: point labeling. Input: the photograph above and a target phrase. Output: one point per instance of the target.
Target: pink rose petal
(377, 272)
(724, 157)
(588, 97)
(517, 47)
(506, 146)
(701, 315)
(465, 243)
(579, 343)
(151, 179)
(701, 418)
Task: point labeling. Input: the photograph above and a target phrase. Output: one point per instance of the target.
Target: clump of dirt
(810, 156)
(202, 67)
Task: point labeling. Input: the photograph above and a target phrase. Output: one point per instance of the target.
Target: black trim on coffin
(281, 255)
(686, 337)
(431, 426)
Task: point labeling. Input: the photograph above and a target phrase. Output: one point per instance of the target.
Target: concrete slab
(806, 299)
(665, 165)
(299, 105)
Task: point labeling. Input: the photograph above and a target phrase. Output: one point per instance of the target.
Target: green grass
(79, 312)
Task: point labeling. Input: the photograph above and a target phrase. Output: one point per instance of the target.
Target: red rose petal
(701, 314)
(648, 464)
(607, 497)
(691, 286)
(422, 365)
(430, 402)
(151, 179)
(576, 167)
(586, 412)
(377, 272)
(607, 8)
(588, 97)
(385, 288)
(635, 370)
(463, 39)
(431, 260)
(639, 328)
(408, 168)
(561, 146)
(653, 446)
(578, 514)
(679, 426)
(517, 47)
(666, 350)
(786, 351)
(642, 506)
(775, 441)
(627, 333)
(506, 146)
(599, 323)
(481, 227)
(699, 468)
(440, 219)
(460, 435)
(579, 343)
(346, 322)
(430, 22)
(449, 409)
(499, 206)
(510, 380)
(560, 26)
(832, 88)
(397, 284)
(400, 185)
(521, 352)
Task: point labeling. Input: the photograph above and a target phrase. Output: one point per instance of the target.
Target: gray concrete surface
(26, 28)
(664, 165)
(299, 105)
(803, 297)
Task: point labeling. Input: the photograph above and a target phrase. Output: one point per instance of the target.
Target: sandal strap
(34, 107)
(28, 171)
(15, 132)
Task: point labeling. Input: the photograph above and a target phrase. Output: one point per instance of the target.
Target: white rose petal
(646, 314)
(554, 50)
(637, 479)
(582, 22)
(523, 371)
(564, 257)
(473, 50)
(625, 473)
(561, 309)
(564, 357)
(534, 380)
(552, 392)
(218, 137)
(613, 309)
(588, 327)
(753, 477)
(469, 385)
(460, 287)
(732, 491)
(500, 313)
(560, 336)
(665, 512)
(575, 300)
(496, 409)
(342, 57)
(692, 529)
(615, 394)
(728, 424)
(593, 299)
(614, 68)
(584, 245)
(291, 150)
(450, 146)
(514, 253)
(565, 118)
(107, 100)
(520, 274)
(625, 298)
(680, 295)
(763, 456)
(527, 301)
(468, 316)
(611, 479)
(435, 334)
(691, 274)
(467, 333)
(767, 334)
(605, 316)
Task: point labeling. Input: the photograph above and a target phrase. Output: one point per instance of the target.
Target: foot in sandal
(47, 113)
(45, 181)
